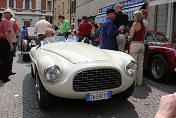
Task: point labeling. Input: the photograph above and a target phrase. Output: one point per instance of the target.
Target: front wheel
(159, 69)
(32, 72)
(43, 96)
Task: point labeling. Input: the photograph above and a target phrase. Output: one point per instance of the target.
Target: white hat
(9, 10)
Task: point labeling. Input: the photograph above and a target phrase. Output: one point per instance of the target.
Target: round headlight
(131, 68)
(52, 73)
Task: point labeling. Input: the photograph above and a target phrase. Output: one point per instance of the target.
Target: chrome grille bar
(97, 79)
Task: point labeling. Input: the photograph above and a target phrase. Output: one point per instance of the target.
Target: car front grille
(97, 79)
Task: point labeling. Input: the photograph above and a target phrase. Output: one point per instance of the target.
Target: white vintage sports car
(76, 70)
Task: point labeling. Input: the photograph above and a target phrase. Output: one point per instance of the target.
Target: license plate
(98, 96)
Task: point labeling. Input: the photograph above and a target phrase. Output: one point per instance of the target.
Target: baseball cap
(144, 12)
(9, 9)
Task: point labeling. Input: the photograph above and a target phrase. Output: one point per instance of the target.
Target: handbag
(98, 38)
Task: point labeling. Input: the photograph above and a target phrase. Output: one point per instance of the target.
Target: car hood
(77, 52)
(163, 44)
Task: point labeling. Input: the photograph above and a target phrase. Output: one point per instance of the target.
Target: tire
(127, 93)
(32, 72)
(26, 57)
(159, 68)
(43, 96)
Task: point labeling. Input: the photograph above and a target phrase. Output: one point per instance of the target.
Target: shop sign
(125, 4)
(130, 3)
(104, 9)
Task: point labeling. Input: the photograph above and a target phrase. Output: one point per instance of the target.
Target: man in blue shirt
(21, 35)
(109, 32)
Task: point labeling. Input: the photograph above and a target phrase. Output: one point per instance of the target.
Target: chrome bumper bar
(25, 52)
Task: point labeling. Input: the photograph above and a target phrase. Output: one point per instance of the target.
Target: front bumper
(64, 87)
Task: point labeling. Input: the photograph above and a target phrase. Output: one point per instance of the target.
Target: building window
(11, 3)
(73, 20)
(49, 5)
(27, 4)
(58, 10)
(27, 23)
(63, 8)
(73, 6)
(68, 7)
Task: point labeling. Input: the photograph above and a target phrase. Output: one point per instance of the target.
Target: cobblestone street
(18, 100)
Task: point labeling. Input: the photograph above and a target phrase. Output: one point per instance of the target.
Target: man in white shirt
(40, 28)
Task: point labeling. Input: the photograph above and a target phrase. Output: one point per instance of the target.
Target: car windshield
(161, 37)
(31, 31)
(56, 39)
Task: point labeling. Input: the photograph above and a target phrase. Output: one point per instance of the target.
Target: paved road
(18, 99)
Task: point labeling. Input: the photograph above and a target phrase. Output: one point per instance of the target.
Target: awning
(159, 2)
(100, 18)
(130, 11)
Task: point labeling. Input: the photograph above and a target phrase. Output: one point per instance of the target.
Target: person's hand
(11, 47)
(121, 28)
(167, 108)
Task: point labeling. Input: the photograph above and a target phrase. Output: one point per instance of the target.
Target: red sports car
(160, 56)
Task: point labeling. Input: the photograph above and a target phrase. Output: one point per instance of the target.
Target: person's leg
(121, 40)
(5, 58)
(133, 52)
(139, 76)
(19, 43)
(5, 66)
(140, 61)
(0, 68)
(40, 38)
(14, 51)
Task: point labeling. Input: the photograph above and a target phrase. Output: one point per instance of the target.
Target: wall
(21, 18)
(33, 14)
(162, 18)
(64, 10)
(91, 8)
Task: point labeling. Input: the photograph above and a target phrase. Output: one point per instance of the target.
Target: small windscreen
(59, 39)
(31, 31)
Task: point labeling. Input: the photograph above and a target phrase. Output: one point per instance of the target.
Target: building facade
(66, 8)
(161, 13)
(28, 12)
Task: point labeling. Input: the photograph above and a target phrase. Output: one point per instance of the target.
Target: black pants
(81, 37)
(4, 59)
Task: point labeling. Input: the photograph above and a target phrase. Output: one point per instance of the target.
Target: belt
(137, 41)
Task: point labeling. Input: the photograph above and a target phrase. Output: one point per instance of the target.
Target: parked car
(160, 57)
(27, 42)
(77, 70)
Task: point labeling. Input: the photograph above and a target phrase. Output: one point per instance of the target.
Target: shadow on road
(64, 108)
(142, 92)
(161, 86)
